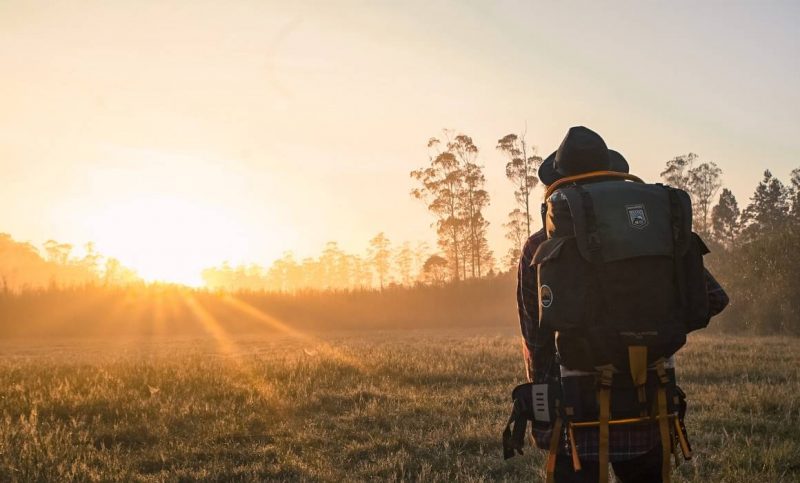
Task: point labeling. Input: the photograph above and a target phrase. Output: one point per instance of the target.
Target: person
(634, 451)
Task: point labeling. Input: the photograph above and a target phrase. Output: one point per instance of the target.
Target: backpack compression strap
(552, 454)
(663, 421)
(594, 174)
(604, 398)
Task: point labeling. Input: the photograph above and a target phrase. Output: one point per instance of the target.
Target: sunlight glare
(167, 239)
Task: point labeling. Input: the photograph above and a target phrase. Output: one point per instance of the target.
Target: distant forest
(752, 253)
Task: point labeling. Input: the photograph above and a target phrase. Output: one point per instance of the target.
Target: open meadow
(388, 405)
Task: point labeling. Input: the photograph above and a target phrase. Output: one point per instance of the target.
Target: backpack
(621, 283)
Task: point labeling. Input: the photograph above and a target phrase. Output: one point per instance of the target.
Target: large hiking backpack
(621, 282)
(620, 268)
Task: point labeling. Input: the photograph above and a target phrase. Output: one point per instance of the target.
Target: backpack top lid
(617, 220)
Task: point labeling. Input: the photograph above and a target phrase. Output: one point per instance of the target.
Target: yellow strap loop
(576, 461)
(605, 409)
(663, 427)
(594, 174)
(687, 453)
(551, 457)
(637, 359)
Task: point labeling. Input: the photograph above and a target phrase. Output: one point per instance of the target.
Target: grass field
(399, 405)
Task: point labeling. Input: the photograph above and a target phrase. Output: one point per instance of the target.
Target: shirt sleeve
(527, 297)
(528, 307)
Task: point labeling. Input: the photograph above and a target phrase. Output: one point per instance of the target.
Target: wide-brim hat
(581, 151)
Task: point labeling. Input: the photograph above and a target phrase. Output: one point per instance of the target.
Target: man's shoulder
(537, 238)
(533, 243)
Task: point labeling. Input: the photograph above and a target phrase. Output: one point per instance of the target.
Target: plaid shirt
(625, 442)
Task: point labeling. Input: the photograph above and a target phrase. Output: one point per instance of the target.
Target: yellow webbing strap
(637, 359)
(687, 453)
(594, 174)
(576, 461)
(637, 355)
(604, 399)
(675, 453)
(551, 457)
(663, 422)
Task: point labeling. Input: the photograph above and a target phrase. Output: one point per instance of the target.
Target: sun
(166, 238)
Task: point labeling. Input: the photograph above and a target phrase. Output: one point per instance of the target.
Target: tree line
(383, 265)
(752, 247)
(24, 266)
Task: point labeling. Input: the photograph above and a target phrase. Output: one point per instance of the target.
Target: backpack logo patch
(637, 216)
(546, 296)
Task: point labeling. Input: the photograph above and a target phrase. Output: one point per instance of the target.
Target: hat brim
(548, 174)
(547, 171)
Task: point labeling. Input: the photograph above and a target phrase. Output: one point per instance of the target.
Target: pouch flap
(548, 250)
(631, 220)
(700, 243)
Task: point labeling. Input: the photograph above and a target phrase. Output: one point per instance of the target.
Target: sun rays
(139, 318)
(245, 365)
(271, 322)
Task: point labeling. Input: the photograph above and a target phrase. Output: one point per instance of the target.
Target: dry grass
(380, 405)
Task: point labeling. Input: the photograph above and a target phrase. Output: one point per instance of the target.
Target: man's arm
(525, 323)
(528, 301)
(717, 298)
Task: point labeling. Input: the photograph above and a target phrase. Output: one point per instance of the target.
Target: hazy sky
(207, 131)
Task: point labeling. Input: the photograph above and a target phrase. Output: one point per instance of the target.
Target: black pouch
(567, 299)
(697, 311)
(532, 402)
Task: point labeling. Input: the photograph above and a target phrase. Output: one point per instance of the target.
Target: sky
(177, 135)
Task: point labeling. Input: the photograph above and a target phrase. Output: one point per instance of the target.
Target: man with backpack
(606, 293)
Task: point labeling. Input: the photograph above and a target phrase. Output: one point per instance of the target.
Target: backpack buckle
(606, 375)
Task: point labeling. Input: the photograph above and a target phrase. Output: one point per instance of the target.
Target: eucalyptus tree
(676, 172)
(704, 181)
(521, 170)
(452, 186)
(515, 233)
(474, 199)
(404, 261)
(380, 257)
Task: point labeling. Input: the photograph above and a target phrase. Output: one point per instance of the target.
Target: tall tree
(521, 170)
(515, 233)
(421, 253)
(452, 186)
(333, 274)
(795, 197)
(434, 270)
(703, 184)
(57, 252)
(676, 173)
(380, 255)
(768, 210)
(283, 274)
(474, 200)
(725, 219)
(404, 260)
(362, 274)
(440, 189)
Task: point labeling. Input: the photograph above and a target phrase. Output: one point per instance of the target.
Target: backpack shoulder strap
(583, 219)
(584, 176)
